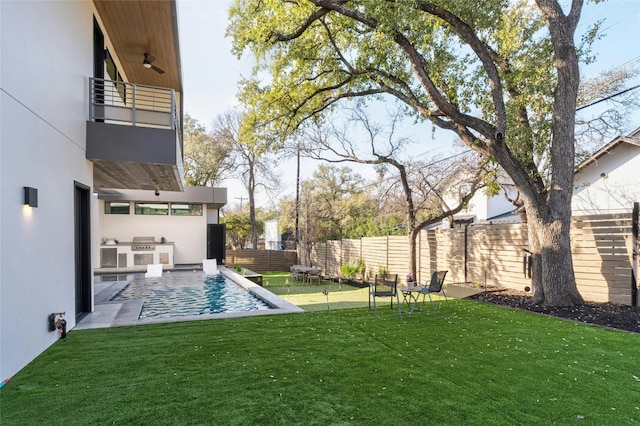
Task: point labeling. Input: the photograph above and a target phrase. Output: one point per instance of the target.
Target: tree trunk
(413, 251)
(554, 281)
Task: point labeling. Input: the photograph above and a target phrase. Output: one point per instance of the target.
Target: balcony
(134, 137)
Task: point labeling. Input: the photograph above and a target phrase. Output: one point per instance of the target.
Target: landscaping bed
(621, 317)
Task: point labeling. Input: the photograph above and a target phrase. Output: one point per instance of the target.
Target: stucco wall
(46, 59)
(189, 233)
(483, 206)
(610, 184)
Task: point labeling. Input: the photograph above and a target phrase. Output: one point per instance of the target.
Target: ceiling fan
(147, 63)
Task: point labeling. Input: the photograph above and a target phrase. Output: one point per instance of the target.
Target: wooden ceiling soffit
(138, 27)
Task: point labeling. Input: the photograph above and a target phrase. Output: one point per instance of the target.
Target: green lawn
(474, 364)
(311, 297)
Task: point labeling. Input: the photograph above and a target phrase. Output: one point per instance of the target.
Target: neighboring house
(609, 181)
(272, 239)
(482, 207)
(83, 113)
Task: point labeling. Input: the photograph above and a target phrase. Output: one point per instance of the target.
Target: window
(115, 76)
(152, 208)
(186, 209)
(116, 207)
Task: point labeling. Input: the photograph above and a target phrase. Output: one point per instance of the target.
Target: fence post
(466, 250)
(634, 262)
(386, 261)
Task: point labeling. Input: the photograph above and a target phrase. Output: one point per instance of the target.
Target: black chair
(383, 286)
(435, 286)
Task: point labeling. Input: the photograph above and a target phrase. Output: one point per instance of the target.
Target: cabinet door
(108, 257)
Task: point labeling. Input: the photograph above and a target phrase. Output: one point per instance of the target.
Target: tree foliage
(206, 158)
(334, 204)
(238, 228)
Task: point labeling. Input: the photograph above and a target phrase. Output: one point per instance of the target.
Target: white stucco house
(90, 108)
(609, 181)
(482, 207)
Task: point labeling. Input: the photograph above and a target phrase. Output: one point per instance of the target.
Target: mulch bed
(621, 317)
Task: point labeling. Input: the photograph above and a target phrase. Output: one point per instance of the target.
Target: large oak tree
(503, 75)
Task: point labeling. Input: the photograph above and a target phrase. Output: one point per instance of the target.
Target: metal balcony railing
(131, 104)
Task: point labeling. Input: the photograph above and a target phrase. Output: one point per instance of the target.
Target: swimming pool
(178, 294)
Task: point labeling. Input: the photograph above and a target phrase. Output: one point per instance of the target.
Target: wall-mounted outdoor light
(31, 196)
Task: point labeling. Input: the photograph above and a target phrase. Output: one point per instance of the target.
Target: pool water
(189, 293)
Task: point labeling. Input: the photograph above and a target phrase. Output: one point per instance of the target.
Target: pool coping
(107, 313)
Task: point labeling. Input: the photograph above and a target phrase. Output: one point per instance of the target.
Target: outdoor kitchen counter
(128, 253)
(129, 243)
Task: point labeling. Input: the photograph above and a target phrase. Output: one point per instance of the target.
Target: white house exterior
(80, 115)
(482, 207)
(485, 207)
(272, 238)
(609, 181)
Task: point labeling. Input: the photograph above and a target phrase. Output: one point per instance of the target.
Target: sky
(210, 74)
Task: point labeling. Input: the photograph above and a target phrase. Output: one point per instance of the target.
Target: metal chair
(383, 286)
(435, 286)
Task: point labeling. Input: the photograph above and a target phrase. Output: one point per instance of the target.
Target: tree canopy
(206, 157)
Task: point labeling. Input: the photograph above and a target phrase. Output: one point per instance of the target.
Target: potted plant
(410, 280)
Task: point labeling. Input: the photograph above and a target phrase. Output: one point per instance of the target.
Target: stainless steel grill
(143, 244)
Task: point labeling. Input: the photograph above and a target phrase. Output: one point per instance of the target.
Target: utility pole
(241, 199)
(298, 200)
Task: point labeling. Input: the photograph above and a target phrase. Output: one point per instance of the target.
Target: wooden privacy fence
(604, 251)
(262, 260)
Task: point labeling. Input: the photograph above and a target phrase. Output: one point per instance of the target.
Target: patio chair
(383, 286)
(295, 274)
(313, 276)
(435, 286)
(210, 267)
(153, 270)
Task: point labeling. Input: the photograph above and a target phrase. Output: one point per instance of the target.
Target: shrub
(351, 269)
(382, 271)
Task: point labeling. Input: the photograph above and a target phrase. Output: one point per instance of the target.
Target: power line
(629, 15)
(608, 97)
(241, 200)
